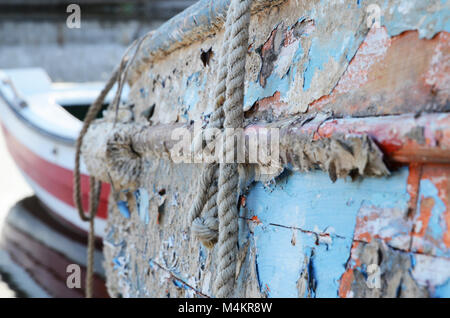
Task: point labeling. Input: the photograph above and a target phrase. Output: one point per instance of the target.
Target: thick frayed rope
(227, 197)
(221, 199)
(206, 190)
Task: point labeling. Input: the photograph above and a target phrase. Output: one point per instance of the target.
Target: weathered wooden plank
(295, 65)
(313, 203)
(308, 71)
(432, 219)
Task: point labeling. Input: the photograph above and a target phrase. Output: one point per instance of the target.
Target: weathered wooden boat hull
(314, 70)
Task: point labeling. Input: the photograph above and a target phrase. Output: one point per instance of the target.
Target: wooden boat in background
(41, 121)
(43, 234)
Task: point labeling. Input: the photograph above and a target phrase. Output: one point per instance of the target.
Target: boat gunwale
(195, 23)
(46, 133)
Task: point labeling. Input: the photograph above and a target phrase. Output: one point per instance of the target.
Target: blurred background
(33, 33)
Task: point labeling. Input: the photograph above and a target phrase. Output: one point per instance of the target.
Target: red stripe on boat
(55, 179)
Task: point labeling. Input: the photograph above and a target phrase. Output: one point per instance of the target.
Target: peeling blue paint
(202, 257)
(109, 238)
(313, 203)
(121, 259)
(143, 92)
(442, 291)
(123, 208)
(274, 83)
(193, 87)
(413, 260)
(437, 226)
(142, 204)
(417, 15)
(117, 263)
(180, 284)
(342, 44)
(256, 92)
(437, 288)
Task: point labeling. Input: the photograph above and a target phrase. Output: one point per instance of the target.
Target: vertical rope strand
(206, 191)
(93, 205)
(227, 198)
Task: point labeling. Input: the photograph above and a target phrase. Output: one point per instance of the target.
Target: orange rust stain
(289, 37)
(269, 43)
(415, 172)
(272, 102)
(366, 237)
(319, 104)
(255, 219)
(391, 143)
(437, 76)
(361, 223)
(371, 50)
(387, 239)
(426, 205)
(400, 71)
(384, 67)
(346, 283)
(243, 201)
(327, 129)
(347, 278)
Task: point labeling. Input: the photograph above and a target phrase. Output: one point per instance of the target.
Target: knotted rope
(222, 199)
(217, 198)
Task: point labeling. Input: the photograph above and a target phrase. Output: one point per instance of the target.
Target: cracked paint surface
(302, 235)
(305, 58)
(432, 221)
(314, 204)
